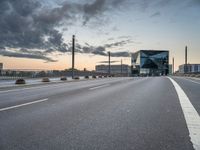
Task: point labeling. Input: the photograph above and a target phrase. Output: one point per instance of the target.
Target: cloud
(102, 50)
(28, 24)
(156, 14)
(120, 54)
(25, 54)
(117, 44)
(193, 3)
(105, 62)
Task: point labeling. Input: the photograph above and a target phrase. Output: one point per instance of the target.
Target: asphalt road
(107, 114)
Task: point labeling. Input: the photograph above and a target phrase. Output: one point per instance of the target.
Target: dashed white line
(191, 116)
(101, 86)
(25, 104)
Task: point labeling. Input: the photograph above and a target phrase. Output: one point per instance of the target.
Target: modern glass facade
(151, 62)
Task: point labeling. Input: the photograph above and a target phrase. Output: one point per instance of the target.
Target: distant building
(150, 62)
(189, 68)
(170, 69)
(1, 66)
(114, 69)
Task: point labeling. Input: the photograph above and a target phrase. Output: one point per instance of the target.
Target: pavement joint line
(39, 86)
(21, 105)
(189, 79)
(20, 89)
(192, 80)
(192, 117)
(100, 86)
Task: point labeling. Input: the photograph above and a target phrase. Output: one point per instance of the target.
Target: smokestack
(186, 55)
(73, 51)
(109, 63)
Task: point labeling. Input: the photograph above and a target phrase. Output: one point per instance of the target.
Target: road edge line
(192, 117)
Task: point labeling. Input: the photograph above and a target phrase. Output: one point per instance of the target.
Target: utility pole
(121, 67)
(109, 63)
(185, 59)
(73, 53)
(173, 66)
(186, 55)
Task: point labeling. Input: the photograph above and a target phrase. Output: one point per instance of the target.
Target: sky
(37, 34)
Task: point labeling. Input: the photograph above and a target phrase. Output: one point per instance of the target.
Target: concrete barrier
(63, 78)
(76, 78)
(87, 77)
(45, 80)
(20, 81)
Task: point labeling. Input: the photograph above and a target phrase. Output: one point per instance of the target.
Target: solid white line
(101, 86)
(25, 104)
(191, 115)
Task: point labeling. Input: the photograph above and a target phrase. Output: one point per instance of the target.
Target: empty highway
(150, 113)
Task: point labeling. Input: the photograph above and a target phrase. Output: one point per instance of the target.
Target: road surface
(109, 114)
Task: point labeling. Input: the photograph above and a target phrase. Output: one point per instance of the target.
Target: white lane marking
(101, 86)
(191, 116)
(25, 104)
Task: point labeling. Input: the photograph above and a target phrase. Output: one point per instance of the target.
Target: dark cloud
(103, 50)
(105, 62)
(91, 10)
(117, 44)
(120, 54)
(156, 14)
(23, 53)
(193, 3)
(28, 24)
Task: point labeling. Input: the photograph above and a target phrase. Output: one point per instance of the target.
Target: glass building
(150, 62)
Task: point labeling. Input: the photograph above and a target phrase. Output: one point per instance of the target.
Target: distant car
(94, 77)
(100, 76)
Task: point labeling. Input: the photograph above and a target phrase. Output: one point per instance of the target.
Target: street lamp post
(109, 63)
(73, 54)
